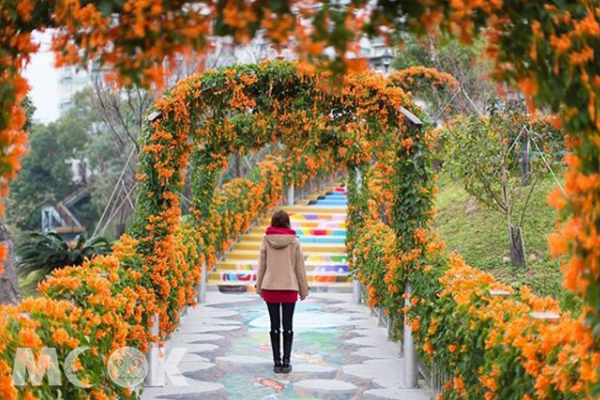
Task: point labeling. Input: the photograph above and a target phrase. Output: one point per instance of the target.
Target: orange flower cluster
(207, 117)
(103, 304)
(554, 57)
(382, 259)
(554, 63)
(13, 141)
(380, 190)
(486, 335)
(418, 78)
(376, 263)
(584, 267)
(236, 205)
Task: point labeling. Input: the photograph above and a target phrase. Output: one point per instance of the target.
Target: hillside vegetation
(480, 235)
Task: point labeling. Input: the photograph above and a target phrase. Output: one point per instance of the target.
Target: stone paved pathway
(339, 353)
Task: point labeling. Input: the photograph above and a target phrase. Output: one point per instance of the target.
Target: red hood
(280, 231)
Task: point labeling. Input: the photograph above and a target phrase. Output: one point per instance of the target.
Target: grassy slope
(481, 236)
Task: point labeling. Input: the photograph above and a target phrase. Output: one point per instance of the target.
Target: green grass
(480, 234)
(28, 284)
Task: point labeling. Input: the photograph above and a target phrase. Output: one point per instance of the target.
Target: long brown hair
(280, 219)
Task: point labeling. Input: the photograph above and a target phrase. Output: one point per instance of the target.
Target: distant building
(225, 53)
(378, 53)
(71, 80)
(260, 49)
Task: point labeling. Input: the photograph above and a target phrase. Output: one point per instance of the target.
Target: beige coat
(281, 265)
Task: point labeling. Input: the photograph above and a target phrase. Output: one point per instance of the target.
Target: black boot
(288, 338)
(276, 346)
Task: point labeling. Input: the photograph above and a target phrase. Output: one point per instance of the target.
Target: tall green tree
(485, 154)
(46, 177)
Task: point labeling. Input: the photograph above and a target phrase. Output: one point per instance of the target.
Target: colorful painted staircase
(320, 223)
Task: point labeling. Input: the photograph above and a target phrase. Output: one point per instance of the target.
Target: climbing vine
(243, 108)
(111, 301)
(419, 78)
(387, 250)
(480, 333)
(553, 63)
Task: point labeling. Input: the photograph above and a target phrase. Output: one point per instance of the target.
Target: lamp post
(411, 375)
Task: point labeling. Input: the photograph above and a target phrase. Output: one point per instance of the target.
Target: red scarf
(280, 231)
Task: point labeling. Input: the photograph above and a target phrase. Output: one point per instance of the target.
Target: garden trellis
(553, 62)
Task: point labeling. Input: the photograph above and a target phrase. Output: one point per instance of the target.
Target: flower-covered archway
(553, 65)
(207, 117)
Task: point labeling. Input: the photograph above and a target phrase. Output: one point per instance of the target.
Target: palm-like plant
(45, 252)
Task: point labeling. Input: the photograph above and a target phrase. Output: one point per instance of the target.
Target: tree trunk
(9, 281)
(525, 161)
(517, 246)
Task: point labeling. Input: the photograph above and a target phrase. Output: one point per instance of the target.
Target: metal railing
(430, 374)
(433, 376)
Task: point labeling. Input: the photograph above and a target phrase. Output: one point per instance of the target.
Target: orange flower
(557, 244)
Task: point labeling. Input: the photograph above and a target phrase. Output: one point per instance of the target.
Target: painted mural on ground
(339, 354)
(316, 353)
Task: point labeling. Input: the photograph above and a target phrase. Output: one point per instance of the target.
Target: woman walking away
(281, 278)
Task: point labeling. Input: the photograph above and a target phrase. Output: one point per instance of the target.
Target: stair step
(307, 248)
(339, 239)
(325, 224)
(325, 211)
(340, 258)
(253, 266)
(303, 231)
(251, 276)
(314, 286)
(322, 239)
(309, 263)
(341, 202)
(253, 254)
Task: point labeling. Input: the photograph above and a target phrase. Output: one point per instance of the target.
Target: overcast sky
(43, 80)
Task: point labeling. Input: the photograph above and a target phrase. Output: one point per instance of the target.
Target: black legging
(287, 310)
